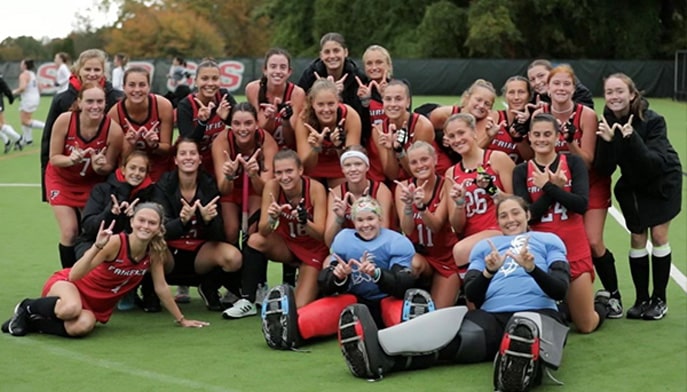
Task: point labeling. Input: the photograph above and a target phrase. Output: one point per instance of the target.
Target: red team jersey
(377, 116)
(158, 163)
(568, 225)
(328, 165)
(437, 247)
(189, 241)
(480, 209)
(503, 141)
(70, 186)
(343, 188)
(236, 195)
(305, 248)
(106, 284)
(278, 133)
(213, 126)
(599, 186)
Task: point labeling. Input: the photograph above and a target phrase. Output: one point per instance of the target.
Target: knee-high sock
(44, 306)
(253, 260)
(27, 133)
(9, 131)
(35, 124)
(288, 274)
(605, 268)
(321, 317)
(639, 268)
(67, 255)
(661, 258)
(50, 326)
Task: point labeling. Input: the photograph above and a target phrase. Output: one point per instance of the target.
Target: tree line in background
(510, 29)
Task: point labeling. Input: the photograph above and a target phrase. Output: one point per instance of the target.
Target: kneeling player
(515, 280)
(368, 264)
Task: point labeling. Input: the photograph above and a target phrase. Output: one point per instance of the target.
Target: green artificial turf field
(136, 351)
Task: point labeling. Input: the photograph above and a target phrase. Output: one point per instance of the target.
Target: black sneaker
(151, 303)
(6, 326)
(19, 323)
(360, 345)
(656, 311)
(280, 318)
(515, 366)
(8, 147)
(416, 302)
(615, 308)
(637, 311)
(211, 298)
(18, 145)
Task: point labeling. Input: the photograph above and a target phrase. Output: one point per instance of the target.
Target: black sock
(67, 255)
(44, 307)
(605, 268)
(660, 270)
(603, 313)
(253, 262)
(232, 281)
(639, 268)
(288, 274)
(213, 279)
(52, 326)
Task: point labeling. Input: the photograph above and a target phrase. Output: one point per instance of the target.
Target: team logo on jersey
(54, 194)
(516, 244)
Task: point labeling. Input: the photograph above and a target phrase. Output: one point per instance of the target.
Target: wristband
(231, 177)
(317, 149)
(272, 223)
(408, 211)
(377, 275)
(460, 202)
(422, 207)
(491, 272)
(340, 221)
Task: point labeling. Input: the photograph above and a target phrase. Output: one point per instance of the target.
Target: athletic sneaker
(615, 308)
(211, 298)
(8, 147)
(656, 311)
(229, 299)
(19, 323)
(18, 145)
(515, 367)
(242, 308)
(6, 326)
(637, 311)
(416, 302)
(183, 296)
(360, 345)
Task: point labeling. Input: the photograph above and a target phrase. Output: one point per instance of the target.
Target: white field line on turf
(19, 185)
(121, 368)
(675, 273)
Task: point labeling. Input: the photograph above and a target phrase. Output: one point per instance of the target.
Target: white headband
(354, 154)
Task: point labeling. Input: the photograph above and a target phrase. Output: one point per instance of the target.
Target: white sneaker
(261, 293)
(182, 296)
(242, 308)
(229, 298)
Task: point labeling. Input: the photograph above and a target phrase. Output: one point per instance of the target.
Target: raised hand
(301, 212)
(457, 191)
(204, 111)
(187, 211)
(275, 209)
(626, 129)
(151, 136)
(493, 127)
(224, 108)
(364, 90)
(407, 192)
(605, 131)
(209, 211)
(540, 177)
(342, 269)
(366, 264)
(129, 208)
(78, 155)
(338, 136)
(341, 204)
(230, 166)
(557, 178)
(103, 235)
(524, 258)
(399, 137)
(284, 110)
(131, 135)
(384, 138)
(340, 84)
(251, 166)
(315, 139)
(568, 128)
(419, 196)
(494, 260)
(99, 159)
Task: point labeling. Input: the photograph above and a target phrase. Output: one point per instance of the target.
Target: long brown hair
(157, 248)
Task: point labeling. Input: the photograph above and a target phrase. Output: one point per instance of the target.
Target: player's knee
(68, 310)
(82, 326)
(232, 259)
(257, 242)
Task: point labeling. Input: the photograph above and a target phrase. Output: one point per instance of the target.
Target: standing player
(119, 63)
(421, 204)
(276, 99)
(63, 72)
(75, 299)
(556, 185)
(324, 128)
(7, 132)
(89, 67)
(579, 137)
(290, 231)
(202, 115)
(634, 138)
(30, 97)
(85, 146)
(146, 120)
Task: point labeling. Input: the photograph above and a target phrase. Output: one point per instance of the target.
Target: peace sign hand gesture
(209, 211)
(315, 139)
(251, 166)
(187, 211)
(494, 260)
(230, 166)
(104, 235)
(204, 111)
(524, 258)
